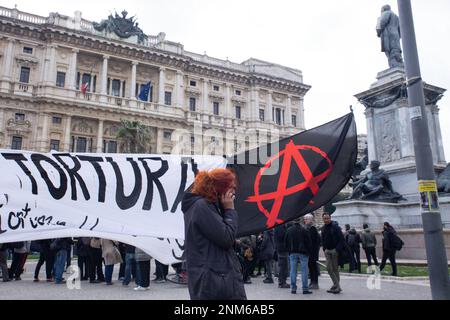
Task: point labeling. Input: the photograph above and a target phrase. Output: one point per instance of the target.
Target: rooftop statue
(388, 29)
(375, 186)
(122, 26)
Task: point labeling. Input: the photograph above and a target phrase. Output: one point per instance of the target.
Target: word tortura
(73, 175)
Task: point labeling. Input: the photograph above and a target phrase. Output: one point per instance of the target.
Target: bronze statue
(375, 186)
(388, 29)
(443, 180)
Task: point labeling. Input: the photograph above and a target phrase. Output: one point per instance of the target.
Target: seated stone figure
(375, 186)
(443, 180)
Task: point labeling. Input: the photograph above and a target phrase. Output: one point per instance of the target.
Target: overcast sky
(334, 43)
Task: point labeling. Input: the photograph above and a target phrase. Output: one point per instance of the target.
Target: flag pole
(431, 217)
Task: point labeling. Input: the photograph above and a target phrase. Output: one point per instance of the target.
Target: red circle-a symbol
(291, 152)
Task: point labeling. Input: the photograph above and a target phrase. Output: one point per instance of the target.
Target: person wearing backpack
(369, 243)
(391, 243)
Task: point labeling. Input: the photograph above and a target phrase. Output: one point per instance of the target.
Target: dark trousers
(122, 265)
(84, 266)
(389, 254)
(95, 256)
(248, 267)
(313, 270)
(282, 267)
(161, 270)
(46, 256)
(370, 253)
(268, 268)
(144, 270)
(355, 259)
(69, 257)
(109, 269)
(18, 261)
(4, 264)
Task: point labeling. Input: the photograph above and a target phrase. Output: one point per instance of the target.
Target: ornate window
(16, 143)
(28, 50)
(294, 120)
(54, 145)
(192, 104)
(60, 79)
(261, 114)
(19, 117)
(168, 98)
(24, 75)
(238, 112)
(216, 108)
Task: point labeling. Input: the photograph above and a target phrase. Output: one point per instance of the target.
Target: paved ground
(354, 288)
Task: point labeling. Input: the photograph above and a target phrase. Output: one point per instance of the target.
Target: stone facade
(46, 61)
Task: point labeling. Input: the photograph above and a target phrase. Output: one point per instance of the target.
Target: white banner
(133, 198)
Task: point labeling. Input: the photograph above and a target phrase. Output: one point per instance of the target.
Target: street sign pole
(431, 217)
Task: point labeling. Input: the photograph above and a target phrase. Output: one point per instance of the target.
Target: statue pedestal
(389, 134)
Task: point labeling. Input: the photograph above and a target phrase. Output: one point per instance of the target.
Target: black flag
(307, 171)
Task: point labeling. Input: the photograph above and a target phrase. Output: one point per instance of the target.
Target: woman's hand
(227, 199)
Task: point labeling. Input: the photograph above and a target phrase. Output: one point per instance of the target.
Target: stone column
(100, 137)
(7, 64)
(50, 76)
(133, 80)
(370, 135)
(227, 105)
(254, 104)
(2, 132)
(72, 74)
(406, 145)
(162, 82)
(301, 115)
(44, 135)
(269, 111)
(205, 101)
(289, 111)
(159, 140)
(104, 78)
(67, 135)
(440, 147)
(179, 89)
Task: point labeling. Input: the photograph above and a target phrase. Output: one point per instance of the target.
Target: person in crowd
(313, 266)
(283, 254)
(248, 245)
(162, 271)
(82, 248)
(267, 253)
(123, 252)
(211, 223)
(60, 246)
(130, 266)
(69, 255)
(95, 261)
(45, 256)
(142, 269)
(20, 253)
(298, 243)
(333, 243)
(259, 262)
(111, 256)
(369, 243)
(353, 239)
(390, 247)
(4, 262)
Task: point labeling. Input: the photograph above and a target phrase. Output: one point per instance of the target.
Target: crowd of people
(96, 259)
(288, 245)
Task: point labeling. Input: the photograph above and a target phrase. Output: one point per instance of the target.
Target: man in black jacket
(333, 243)
(298, 243)
(282, 251)
(314, 255)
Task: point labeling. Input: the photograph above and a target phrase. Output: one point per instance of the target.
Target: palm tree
(134, 137)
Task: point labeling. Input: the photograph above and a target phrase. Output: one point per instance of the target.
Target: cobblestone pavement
(354, 288)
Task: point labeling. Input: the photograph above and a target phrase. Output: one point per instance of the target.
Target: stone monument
(389, 141)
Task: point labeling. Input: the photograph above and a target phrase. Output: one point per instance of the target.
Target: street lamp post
(431, 217)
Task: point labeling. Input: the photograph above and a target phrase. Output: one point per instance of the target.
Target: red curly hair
(212, 184)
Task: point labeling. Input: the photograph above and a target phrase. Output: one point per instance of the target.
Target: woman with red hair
(210, 224)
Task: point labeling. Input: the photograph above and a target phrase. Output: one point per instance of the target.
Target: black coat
(267, 246)
(387, 239)
(298, 240)
(214, 271)
(332, 237)
(280, 239)
(315, 242)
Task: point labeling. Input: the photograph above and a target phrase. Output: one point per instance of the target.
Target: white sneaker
(139, 288)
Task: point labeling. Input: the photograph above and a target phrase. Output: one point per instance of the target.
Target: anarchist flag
(305, 172)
